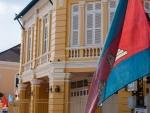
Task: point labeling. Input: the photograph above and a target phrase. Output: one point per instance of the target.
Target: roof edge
(26, 9)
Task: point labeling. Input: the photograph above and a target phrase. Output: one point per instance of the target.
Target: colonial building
(60, 47)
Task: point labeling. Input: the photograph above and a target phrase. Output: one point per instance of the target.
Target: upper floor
(67, 31)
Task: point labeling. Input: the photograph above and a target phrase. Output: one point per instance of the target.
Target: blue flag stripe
(121, 75)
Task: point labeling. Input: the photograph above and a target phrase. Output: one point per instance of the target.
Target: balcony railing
(83, 52)
(43, 58)
(27, 65)
(39, 61)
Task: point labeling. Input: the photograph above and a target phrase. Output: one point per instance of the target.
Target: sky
(10, 30)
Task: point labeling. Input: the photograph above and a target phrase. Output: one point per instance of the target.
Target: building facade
(60, 47)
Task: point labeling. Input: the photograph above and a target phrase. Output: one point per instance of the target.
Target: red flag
(126, 53)
(4, 102)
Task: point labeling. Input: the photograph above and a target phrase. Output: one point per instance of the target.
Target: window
(29, 55)
(75, 25)
(45, 34)
(93, 23)
(79, 84)
(147, 7)
(112, 8)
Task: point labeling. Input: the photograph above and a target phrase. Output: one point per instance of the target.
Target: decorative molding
(22, 86)
(56, 69)
(77, 64)
(35, 82)
(27, 76)
(59, 77)
(103, 1)
(81, 3)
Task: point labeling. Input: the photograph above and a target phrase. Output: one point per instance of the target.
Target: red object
(4, 102)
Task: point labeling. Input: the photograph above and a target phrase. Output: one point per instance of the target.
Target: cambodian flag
(126, 53)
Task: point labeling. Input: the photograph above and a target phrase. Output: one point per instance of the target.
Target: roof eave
(26, 9)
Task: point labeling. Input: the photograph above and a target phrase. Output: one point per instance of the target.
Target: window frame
(111, 10)
(45, 44)
(73, 14)
(29, 44)
(94, 27)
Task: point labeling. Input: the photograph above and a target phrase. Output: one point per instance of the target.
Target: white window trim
(146, 1)
(93, 35)
(45, 40)
(111, 10)
(71, 41)
(29, 53)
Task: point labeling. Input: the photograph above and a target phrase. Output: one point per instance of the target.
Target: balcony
(76, 53)
(27, 65)
(43, 59)
(38, 61)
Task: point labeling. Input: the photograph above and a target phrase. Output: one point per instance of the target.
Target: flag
(126, 53)
(4, 102)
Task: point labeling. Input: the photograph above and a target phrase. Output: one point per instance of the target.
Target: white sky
(10, 30)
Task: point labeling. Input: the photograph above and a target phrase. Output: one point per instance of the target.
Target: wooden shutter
(75, 26)
(97, 23)
(112, 8)
(93, 23)
(89, 23)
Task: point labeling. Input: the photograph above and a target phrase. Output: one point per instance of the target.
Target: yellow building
(60, 47)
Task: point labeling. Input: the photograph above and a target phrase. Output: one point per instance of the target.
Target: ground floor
(66, 93)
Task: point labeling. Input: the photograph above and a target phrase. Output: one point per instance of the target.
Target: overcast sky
(9, 29)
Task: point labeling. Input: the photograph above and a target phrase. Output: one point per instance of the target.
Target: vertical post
(82, 26)
(58, 93)
(22, 96)
(104, 5)
(35, 89)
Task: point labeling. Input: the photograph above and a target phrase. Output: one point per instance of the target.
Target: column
(82, 26)
(104, 4)
(22, 96)
(67, 94)
(59, 93)
(35, 94)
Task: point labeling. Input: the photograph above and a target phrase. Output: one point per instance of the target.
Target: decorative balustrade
(83, 52)
(39, 61)
(27, 65)
(43, 59)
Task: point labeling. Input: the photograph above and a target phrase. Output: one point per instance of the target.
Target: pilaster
(22, 52)
(82, 23)
(22, 97)
(58, 32)
(35, 40)
(104, 5)
(35, 89)
(59, 88)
